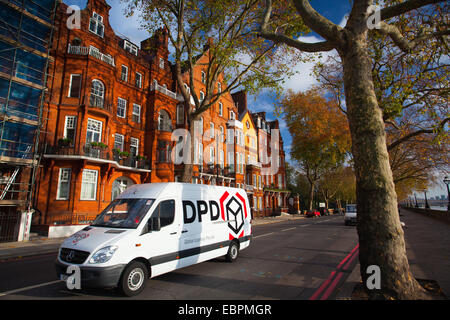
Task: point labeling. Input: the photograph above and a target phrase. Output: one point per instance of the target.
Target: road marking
(305, 225)
(263, 235)
(288, 229)
(348, 256)
(329, 285)
(332, 286)
(28, 288)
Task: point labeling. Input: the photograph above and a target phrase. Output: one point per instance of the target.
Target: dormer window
(131, 48)
(96, 24)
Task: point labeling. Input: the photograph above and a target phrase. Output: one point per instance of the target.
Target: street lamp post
(447, 182)
(427, 206)
(415, 198)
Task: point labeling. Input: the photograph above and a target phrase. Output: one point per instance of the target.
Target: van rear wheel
(233, 252)
(133, 279)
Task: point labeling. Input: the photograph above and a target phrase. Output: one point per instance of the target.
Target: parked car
(312, 213)
(350, 214)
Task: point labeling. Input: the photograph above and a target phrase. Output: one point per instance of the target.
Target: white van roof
(155, 190)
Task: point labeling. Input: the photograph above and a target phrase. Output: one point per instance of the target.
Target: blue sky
(334, 10)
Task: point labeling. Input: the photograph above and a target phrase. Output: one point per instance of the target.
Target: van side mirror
(154, 224)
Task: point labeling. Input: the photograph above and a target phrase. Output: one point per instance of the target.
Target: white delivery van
(151, 229)
(350, 216)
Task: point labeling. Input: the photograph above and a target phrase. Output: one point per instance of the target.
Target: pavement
(428, 252)
(426, 245)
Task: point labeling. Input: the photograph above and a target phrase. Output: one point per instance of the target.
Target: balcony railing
(165, 126)
(164, 90)
(95, 101)
(216, 169)
(84, 51)
(99, 153)
(99, 103)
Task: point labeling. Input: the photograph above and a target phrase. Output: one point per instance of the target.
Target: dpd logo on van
(234, 210)
(231, 208)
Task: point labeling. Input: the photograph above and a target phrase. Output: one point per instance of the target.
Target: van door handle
(173, 233)
(184, 231)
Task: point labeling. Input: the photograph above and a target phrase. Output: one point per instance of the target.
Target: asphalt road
(296, 259)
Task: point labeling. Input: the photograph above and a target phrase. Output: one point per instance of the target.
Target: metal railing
(98, 153)
(71, 219)
(216, 169)
(165, 126)
(84, 51)
(164, 90)
(9, 222)
(99, 103)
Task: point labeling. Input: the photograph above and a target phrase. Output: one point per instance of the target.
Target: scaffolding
(26, 31)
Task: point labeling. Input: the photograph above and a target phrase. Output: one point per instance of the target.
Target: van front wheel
(233, 252)
(133, 279)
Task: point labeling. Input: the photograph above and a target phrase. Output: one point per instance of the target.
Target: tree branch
(280, 38)
(401, 42)
(416, 133)
(403, 7)
(316, 22)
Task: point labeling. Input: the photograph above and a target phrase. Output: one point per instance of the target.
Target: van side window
(166, 212)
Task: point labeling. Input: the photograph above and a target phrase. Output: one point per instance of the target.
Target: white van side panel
(205, 224)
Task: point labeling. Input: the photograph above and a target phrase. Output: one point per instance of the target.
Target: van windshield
(351, 208)
(123, 213)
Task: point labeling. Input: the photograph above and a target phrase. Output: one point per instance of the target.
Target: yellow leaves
(319, 129)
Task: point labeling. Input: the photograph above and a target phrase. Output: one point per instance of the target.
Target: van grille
(73, 256)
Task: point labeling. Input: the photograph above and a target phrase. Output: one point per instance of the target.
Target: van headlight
(103, 255)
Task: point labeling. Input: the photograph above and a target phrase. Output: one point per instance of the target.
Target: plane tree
(381, 238)
(412, 91)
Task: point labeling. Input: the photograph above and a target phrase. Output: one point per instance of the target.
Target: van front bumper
(94, 277)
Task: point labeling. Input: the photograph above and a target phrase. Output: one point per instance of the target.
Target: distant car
(350, 214)
(312, 213)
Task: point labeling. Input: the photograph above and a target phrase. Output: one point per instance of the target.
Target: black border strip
(192, 251)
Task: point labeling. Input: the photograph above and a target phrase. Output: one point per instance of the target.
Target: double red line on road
(328, 286)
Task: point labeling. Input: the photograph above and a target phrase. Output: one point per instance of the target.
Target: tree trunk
(381, 240)
(311, 194)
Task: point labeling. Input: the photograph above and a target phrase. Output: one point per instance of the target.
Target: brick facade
(110, 111)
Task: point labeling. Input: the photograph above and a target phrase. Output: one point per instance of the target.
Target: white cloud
(304, 78)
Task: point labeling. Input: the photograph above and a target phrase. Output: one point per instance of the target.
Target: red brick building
(110, 111)
(100, 109)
